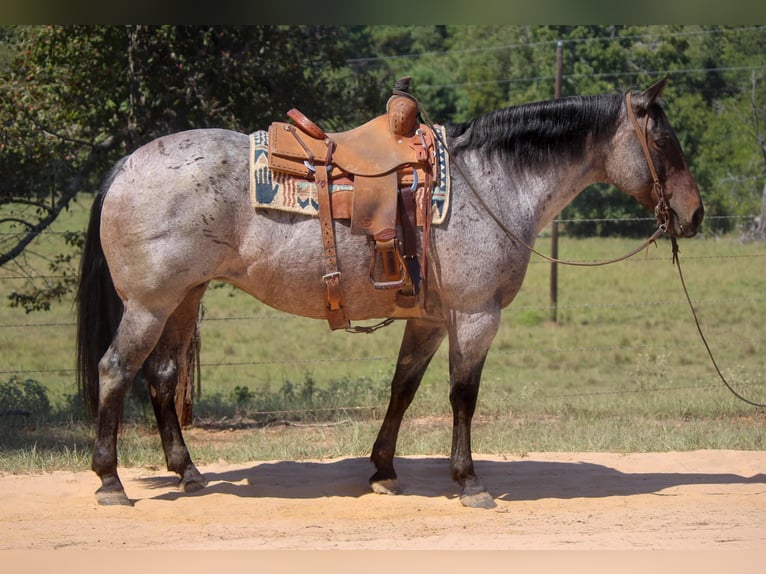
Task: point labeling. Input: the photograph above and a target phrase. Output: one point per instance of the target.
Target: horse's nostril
(699, 214)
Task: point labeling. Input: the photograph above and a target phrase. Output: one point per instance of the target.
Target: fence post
(555, 224)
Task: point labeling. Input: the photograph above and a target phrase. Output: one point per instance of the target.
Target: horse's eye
(661, 142)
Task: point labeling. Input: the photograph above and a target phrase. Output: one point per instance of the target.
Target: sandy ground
(677, 501)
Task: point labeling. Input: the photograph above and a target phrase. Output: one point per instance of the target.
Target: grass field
(622, 369)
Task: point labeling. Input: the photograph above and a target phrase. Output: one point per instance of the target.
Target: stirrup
(393, 265)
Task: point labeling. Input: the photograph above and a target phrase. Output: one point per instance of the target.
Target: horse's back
(204, 150)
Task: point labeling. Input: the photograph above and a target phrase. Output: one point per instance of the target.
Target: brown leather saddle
(391, 161)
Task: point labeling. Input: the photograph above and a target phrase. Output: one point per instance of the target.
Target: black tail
(99, 309)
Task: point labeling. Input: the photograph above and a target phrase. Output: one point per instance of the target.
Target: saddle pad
(274, 190)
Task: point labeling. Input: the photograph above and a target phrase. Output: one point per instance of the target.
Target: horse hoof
(187, 486)
(113, 498)
(192, 480)
(387, 486)
(482, 499)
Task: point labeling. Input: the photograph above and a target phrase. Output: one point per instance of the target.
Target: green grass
(623, 369)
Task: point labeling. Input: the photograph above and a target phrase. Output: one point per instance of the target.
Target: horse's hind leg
(420, 341)
(162, 370)
(135, 337)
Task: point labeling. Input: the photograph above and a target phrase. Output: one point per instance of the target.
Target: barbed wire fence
(60, 332)
(44, 333)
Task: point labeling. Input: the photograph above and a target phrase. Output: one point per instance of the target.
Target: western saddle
(391, 162)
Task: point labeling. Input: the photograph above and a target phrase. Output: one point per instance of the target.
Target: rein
(662, 210)
(677, 262)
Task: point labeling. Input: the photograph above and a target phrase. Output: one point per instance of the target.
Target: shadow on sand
(519, 480)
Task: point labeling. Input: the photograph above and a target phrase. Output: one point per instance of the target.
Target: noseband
(662, 209)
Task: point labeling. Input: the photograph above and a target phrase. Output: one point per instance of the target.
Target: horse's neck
(560, 185)
(538, 157)
(533, 197)
(526, 199)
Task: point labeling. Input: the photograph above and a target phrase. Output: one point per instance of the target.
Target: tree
(488, 67)
(76, 98)
(758, 108)
(724, 122)
(416, 51)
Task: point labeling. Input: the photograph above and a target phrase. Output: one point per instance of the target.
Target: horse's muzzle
(686, 228)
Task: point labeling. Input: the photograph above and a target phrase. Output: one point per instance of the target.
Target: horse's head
(646, 162)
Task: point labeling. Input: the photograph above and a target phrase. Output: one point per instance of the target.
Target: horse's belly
(286, 272)
(304, 295)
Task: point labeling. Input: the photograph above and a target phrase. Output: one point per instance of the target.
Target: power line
(685, 71)
(519, 45)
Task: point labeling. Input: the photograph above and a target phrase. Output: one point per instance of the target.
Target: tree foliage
(75, 98)
(465, 71)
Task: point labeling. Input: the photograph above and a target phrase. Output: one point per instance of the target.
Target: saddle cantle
(391, 161)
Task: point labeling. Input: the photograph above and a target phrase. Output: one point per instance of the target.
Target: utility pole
(555, 224)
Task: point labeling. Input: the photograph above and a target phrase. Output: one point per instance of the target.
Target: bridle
(662, 209)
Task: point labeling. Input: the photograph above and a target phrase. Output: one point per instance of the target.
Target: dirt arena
(592, 501)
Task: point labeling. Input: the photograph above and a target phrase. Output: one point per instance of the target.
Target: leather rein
(661, 210)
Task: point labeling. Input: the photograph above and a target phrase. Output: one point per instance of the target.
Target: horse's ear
(650, 94)
(642, 101)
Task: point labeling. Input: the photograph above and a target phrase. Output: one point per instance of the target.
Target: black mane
(531, 134)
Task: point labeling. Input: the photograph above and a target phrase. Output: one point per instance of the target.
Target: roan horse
(176, 214)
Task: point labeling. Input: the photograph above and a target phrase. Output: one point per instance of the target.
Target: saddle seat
(369, 150)
(391, 161)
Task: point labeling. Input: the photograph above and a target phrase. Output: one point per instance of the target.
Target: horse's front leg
(470, 338)
(420, 341)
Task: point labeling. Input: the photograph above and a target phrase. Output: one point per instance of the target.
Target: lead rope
(677, 262)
